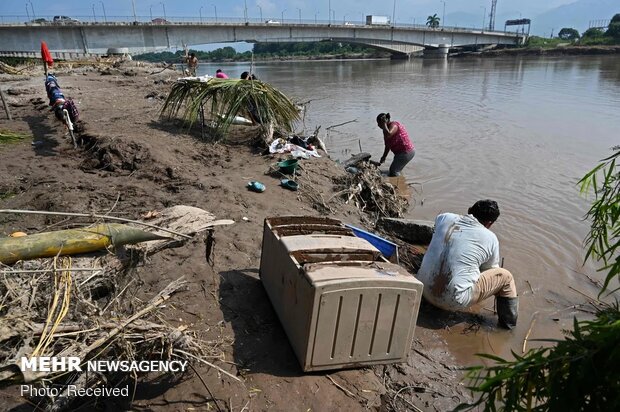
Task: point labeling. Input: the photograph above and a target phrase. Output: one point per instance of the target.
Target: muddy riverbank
(134, 162)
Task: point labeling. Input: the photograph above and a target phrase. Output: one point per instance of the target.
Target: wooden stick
(6, 105)
(116, 297)
(208, 364)
(592, 300)
(415, 408)
(341, 124)
(206, 387)
(530, 285)
(93, 215)
(527, 335)
(342, 388)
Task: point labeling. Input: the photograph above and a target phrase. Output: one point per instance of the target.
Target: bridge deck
(78, 39)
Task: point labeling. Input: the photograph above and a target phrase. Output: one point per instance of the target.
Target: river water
(519, 130)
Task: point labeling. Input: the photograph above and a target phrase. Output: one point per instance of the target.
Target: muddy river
(518, 130)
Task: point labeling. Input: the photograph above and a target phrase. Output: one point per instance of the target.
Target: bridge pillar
(440, 52)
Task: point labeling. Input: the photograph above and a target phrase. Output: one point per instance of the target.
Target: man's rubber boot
(507, 311)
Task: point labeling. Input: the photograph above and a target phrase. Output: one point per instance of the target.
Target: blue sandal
(289, 184)
(256, 187)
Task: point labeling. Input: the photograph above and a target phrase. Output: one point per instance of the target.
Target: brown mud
(132, 162)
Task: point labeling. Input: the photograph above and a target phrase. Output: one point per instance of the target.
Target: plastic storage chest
(340, 302)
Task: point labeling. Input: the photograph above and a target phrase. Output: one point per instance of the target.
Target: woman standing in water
(397, 140)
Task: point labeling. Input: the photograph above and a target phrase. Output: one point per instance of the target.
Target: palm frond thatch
(229, 98)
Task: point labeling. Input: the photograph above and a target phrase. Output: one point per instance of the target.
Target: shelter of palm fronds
(227, 98)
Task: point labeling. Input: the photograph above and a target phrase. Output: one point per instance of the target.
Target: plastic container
(288, 166)
(387, 248)
(340, 303)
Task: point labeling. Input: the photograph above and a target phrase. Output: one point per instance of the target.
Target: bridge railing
(156, 19)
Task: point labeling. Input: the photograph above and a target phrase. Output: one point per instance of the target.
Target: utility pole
(492, 15)
(394, 13)
(133, 5)
(32, 8)
(443, 16)
(105, 18)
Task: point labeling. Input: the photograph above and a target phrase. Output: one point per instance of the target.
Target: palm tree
(433, 21)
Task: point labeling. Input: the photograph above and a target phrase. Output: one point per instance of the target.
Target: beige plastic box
(340, 302)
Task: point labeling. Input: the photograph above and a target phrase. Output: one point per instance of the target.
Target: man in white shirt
(461, 266)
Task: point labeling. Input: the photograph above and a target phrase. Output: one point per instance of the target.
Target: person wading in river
(461, 266)
(397, 140)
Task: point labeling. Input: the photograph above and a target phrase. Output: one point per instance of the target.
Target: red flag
(46, 55)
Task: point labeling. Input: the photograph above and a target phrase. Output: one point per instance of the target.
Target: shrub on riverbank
(538, 42)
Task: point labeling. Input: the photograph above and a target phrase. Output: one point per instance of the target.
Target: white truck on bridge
(377, 20)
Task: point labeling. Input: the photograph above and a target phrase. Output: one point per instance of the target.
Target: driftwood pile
(363, 185)
(86, 307)
(80, 307)
(370, 192)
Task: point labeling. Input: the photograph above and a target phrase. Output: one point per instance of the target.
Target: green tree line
(269, 50)
(591, 37)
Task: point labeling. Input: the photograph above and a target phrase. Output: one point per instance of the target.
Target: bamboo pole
(93, 215)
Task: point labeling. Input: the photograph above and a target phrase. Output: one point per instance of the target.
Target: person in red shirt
(220, 74)
(397, 140)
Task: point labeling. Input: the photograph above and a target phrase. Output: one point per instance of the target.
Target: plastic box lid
(358, 271)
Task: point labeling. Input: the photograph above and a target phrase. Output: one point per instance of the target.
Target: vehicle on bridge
(377, 20)
(64, 20)
(39, 21)
(272, 22)
(159, 20)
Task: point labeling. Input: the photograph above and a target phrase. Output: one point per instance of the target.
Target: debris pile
(370, 192)
(86, 307)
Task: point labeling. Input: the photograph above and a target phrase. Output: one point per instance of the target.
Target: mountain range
(579, 15)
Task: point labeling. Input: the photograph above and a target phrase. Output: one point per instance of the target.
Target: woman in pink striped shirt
(397, 140)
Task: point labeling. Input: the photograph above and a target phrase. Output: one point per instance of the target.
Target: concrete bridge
(75, 39)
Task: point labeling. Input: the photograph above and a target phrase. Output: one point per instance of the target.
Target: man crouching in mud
(461, 266)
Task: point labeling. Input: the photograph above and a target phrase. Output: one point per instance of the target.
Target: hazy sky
(545, 15)
(406, 10)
